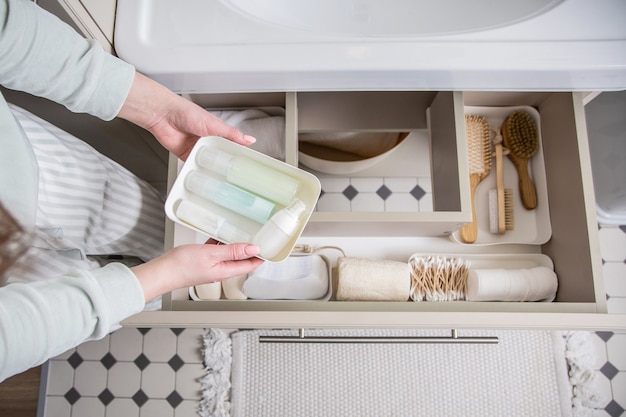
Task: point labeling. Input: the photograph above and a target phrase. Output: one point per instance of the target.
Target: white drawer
(573, 246)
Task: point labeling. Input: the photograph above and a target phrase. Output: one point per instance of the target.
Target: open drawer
(572, 246)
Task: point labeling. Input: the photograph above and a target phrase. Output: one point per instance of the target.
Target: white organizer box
(572, 246)
(218, 220)
(533, 226)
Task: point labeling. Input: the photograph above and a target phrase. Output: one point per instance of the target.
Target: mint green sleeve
(43, 319)
(41, 55)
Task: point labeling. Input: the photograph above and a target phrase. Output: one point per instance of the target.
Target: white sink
(391, 17)
(305, 45)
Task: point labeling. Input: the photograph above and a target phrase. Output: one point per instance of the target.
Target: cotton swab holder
(438, 278)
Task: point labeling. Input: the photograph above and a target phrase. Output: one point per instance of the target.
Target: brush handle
(500, 189)
(469, 232)
(527, 190)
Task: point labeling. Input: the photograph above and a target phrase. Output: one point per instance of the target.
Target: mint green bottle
(231, 197)
(250, 175)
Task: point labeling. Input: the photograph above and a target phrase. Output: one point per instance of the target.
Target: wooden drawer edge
(307, 319)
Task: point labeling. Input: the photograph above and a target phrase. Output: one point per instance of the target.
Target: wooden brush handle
(500, 189)
(527, 190)
(469, 232)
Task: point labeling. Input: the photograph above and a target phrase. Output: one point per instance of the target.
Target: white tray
(194, 296)
(531, 226)
(308, 192)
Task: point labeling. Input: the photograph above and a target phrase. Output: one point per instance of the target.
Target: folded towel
(268, 130)
(296, 278)
(372, 280)
(534, 284)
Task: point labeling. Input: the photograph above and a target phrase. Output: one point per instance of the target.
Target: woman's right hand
(189, 265)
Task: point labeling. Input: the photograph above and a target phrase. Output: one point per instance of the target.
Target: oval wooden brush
(521, 138)
(479, 157)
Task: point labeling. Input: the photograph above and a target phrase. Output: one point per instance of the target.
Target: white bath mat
(523, 375)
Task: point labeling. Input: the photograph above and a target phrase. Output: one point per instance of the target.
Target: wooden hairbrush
(521, 137)
(479, 157)
(501, 210)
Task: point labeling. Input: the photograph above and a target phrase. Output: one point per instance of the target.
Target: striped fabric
(87, 205)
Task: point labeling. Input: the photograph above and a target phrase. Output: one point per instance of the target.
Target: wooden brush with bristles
(521, 137)
(479, 157)
(501, 214)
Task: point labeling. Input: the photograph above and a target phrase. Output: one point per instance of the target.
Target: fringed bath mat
(519, 376)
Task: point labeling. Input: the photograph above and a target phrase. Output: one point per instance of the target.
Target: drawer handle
(453, 338)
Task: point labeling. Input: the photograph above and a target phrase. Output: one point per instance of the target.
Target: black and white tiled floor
(131, 373)
(155, 372)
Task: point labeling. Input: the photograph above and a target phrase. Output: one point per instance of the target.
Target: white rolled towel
(534, 284)
(361, 279)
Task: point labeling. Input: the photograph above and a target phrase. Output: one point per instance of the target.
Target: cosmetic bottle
(230, 197)
(210, 223)
(275, 234)
(250, 175)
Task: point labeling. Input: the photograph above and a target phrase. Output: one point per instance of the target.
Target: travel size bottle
(250, 175)
(231, 197)
(275, 234)
(210, 223)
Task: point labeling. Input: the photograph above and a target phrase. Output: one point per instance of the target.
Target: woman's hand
(176, 122)
(189, 265)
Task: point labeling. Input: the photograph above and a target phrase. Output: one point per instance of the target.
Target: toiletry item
(479, 158)
(274, 235)
(210, 223)
(438, 278)
(360, 279)
(250, 175)
(532, 284)
(230, 197)
(210, 291)
(501, 212)
(295, 278)
(521, 138)
(232, 287)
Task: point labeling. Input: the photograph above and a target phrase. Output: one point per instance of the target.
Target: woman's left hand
(176, 122)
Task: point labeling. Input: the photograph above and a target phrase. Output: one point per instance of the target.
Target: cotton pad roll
(533, 284)
(372, 280)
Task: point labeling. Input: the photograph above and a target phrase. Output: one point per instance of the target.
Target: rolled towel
(534, 284)
(372, 280)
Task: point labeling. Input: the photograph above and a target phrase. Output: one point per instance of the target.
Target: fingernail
(249, 139)
(252, 250)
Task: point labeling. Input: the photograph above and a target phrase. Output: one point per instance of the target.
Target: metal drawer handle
(453, 338)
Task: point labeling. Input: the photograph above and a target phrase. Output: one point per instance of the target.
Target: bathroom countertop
(199, 46)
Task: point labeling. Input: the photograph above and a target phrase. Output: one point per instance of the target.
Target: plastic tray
(308, 193)
(531, 226)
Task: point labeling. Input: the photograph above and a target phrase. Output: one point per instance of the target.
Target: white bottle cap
(216, 161)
